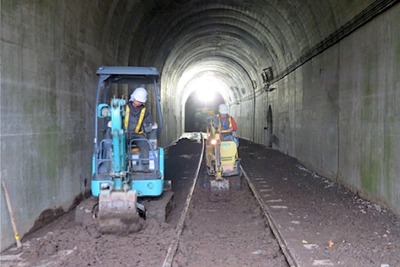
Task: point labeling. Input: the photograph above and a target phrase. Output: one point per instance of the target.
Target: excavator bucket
(118, 212)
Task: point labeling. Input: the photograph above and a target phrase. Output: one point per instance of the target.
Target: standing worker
(227, 124)
(139, 124)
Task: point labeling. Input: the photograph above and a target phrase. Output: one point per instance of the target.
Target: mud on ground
(323, 223)
(230, 232)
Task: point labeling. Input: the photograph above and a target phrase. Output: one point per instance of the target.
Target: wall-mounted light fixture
(267, 76)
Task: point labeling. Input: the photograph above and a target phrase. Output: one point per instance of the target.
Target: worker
(228, 125)
(139, 124)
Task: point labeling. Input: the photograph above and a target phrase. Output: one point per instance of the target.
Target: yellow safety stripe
(140, 121)
(139, 124)
(126, 119)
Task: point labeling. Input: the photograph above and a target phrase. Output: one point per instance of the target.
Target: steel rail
(281, 241)
(175, 243)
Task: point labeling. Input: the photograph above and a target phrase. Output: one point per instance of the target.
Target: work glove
(154, 126)
(147, 127)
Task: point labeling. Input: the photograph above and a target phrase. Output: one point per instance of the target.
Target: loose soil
(226, 230)
(231, 231)
(322, 222)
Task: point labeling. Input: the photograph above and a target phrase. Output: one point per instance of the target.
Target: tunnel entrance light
(206, 89)
(205, 95)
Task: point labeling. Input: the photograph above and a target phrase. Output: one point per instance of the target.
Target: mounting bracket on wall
(268, 88)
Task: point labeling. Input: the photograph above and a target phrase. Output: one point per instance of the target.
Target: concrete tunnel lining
(52, 49)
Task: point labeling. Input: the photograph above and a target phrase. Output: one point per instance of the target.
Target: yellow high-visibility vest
(140, 121)
(230, 125)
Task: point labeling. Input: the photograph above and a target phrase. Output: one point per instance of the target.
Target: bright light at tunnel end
(205, 95)
(206, 88)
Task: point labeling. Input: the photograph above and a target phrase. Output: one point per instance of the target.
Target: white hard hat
(223, 109)
(140, 94)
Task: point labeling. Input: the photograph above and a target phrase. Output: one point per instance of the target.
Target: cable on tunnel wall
(372, 11)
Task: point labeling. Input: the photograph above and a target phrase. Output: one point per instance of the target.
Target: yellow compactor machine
(222, 159)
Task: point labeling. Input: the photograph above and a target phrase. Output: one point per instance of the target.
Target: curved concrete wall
(337, 113)
(333, 105)
(50, 51)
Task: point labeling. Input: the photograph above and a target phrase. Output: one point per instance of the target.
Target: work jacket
(137, 120)
(228, 124)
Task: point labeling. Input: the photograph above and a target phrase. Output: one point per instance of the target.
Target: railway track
(234, 231)
(233, 241)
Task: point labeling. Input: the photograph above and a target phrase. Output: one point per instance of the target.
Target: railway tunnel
(324, 72)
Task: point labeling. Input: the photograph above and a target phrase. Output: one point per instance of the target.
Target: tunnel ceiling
(231, 40)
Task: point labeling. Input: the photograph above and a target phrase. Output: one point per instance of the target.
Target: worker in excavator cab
(139, 125)
(227, 124)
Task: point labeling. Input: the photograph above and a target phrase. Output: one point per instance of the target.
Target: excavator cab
(117, 179)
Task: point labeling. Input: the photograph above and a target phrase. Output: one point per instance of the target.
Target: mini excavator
(222, 159)
(122, 189)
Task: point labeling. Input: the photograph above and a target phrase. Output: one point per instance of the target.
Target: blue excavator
(124, 190)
